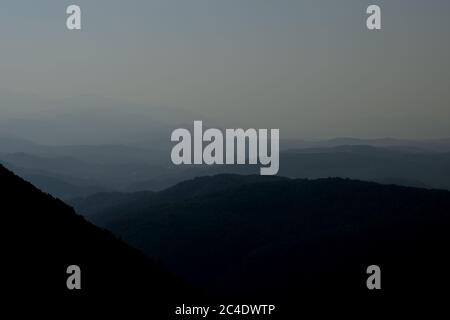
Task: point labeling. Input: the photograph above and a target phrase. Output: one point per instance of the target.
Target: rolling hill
(252, 237)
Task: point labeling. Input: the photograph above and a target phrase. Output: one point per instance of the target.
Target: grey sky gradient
(310, 68)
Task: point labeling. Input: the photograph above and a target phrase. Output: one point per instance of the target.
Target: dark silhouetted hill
(96, 205)
(43, 236)
(282, 239)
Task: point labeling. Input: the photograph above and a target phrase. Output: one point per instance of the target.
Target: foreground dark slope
(44, 236)
(292, 239)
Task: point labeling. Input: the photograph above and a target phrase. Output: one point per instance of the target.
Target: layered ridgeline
(69, 172)
(277, 238)
(43, 236)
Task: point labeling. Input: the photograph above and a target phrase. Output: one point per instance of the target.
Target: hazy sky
(310, 68)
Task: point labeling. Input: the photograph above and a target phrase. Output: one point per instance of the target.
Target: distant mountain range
(435, 145)
(81, 170)
(384, 165)
(88, 120)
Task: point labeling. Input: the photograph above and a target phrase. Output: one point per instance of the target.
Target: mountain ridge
(47, 236)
